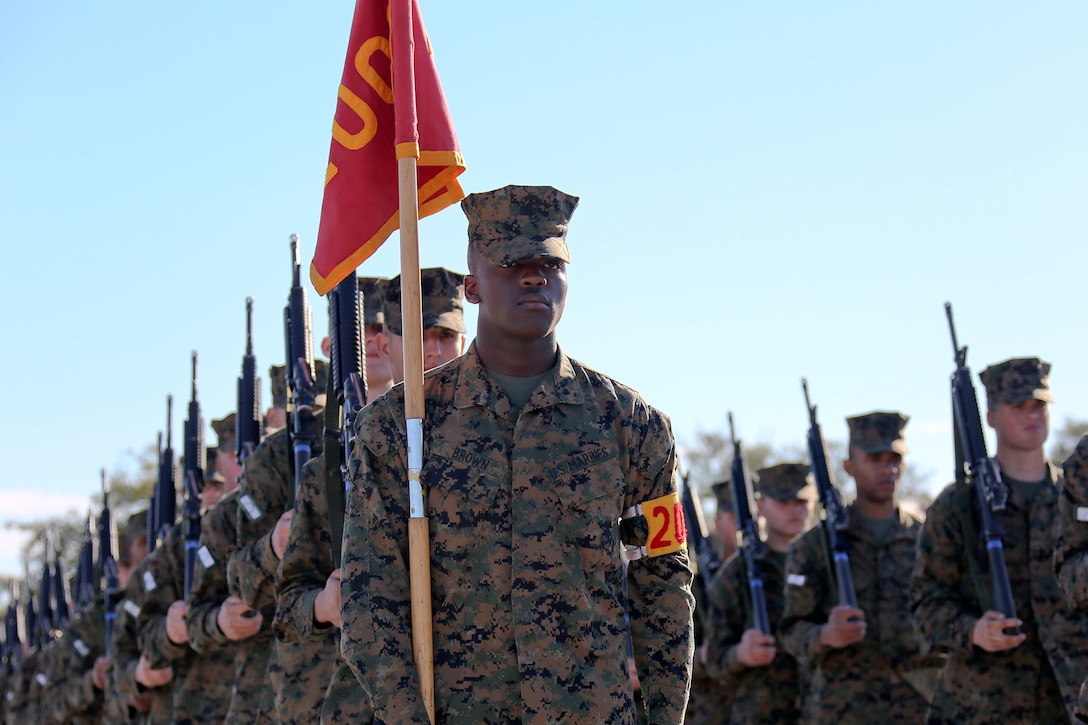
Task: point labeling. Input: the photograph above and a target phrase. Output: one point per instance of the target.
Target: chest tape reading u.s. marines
(664, 518)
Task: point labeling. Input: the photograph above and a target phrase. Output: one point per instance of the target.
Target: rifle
(249, 421)
(87, 586)
(12, 640)
(705, 554)
(45, 599)
(300, 373)
(107, 563)
(751, 546)
(194, 462)
(348, 384)
(981, 472)
(835, 520)
(60, 589)
(30, 617)
(163, 508)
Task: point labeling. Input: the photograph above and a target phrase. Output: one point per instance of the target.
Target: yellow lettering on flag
(668, 532)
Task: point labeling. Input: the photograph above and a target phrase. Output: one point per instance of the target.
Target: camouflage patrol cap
(226, 432)
(519, 222)
(371, 289)
(277, 374)
(878, 432)
(786, 481)
(723, 494)
(1016, 379)
(443, 294)
(134, 529)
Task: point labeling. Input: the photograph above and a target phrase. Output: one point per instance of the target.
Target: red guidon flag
(360, 207)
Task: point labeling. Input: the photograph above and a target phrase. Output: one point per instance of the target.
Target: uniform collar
(476, 387)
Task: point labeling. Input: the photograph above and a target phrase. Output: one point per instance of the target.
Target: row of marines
(544, 479)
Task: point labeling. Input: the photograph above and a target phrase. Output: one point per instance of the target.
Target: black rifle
(194, 460)
(980, 471)
(13, 642)
(61, 612)
(300, 373)
(30, 617)
(86, 583)
(164, 504)
(249, 419)
(705, 553)
(107, 563)
(348, 382)
(751, 546)
(835, 520)
(45, 600)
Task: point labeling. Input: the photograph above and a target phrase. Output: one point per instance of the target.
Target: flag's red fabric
(360, 207)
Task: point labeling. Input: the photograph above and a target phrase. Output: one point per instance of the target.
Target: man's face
(211, 493)
(725, 525)
(876, 474)
(1021, 426)
(274, 418)
(786, 518)
(378, 373)
(227, 466)
(440, 345)
(521, 302)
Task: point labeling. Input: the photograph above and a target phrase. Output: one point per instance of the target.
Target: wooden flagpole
(419, 565)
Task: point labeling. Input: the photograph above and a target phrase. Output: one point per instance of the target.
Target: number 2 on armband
(668, 530)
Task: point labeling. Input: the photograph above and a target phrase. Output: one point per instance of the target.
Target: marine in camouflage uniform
(319, 685)
(267, 483)
(200, 691)
(863, 661)
(1071, 553)
(73, 696)
(709, 699)
(528, 467)
(767, 691)
(1029, 678)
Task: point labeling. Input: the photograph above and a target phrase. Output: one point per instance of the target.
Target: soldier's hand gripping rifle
(164, 506)
(835, 519)
(349, 388)
(249, 419)
(705, 553)
(991, 495)
(751, 546)
(300, 372)
(107, 563)
(194, 461)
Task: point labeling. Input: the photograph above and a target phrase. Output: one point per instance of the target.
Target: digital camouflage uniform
(769, 694)
(313, 654)
(73, 698)
(126, 656)
(22, 708)
(526, 582)
(200, 691)
(218, 537)
(264, 493)
(866, 682)
(1038, 680)
(1071, 553)
(709, 697)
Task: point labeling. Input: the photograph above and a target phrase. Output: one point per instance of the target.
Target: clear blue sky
(769, 190)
